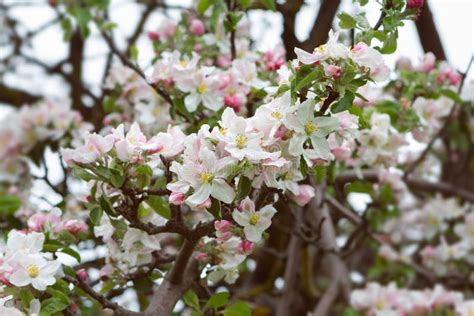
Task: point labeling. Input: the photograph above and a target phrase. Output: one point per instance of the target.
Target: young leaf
(191, 299)
(243, 190)
(9, 204)
(269, 4)
(344, 103)
(215, 209)
(239, 308)
(217, 300)
(346, 21)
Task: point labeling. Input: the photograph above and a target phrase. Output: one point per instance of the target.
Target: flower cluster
(23, 263)
(376, 299)
(22, 130)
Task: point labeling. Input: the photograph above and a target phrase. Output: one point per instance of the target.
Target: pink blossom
(306, 193)
(153, 36)
(177, 198)
(201, 256)
(75, 226)
(245, 247)
(414, 4)
(223, 228)
(206, 204)
(196, 27)
(332, 71)
(233, 101)
(36, 222)
(428, 63)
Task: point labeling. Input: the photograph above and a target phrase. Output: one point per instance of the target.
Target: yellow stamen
(277, 115)
(310, 128)
(202, 88)
(223, 131)
(241, 141)
(33, 271)
(183, 63)
(380, 304)
(254, 218)
(206, 177)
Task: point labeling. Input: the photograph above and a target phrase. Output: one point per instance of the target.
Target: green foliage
(243, 189)
(9, 204)
(160, 206)
(217, 300)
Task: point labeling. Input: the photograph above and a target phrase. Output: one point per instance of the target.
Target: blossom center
(310, 128)
(254, 218)
(223, 130)
(380, 304)
(32, 271)
(241, 141)
(277, 115)
(202, 88)
(183, 63)
(206, 177)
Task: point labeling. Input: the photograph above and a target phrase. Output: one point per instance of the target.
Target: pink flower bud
(196, 27)
(224, 61)
(197, 47)
(332, 71)
(428, 62)
(82, 275)
(153, 36)
(245, 247)
(206, 204)
(280, 133)
(222, 226)
(414, 4)
(305, 195)
(75, 226)
(177, 198)
(232, 101)
(36, 222)
(168, 82)
(201, 256)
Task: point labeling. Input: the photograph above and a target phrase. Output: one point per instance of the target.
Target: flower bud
(304, 196)
(82, 275)
(414, 4)
(245, 247)
(177, 198)
(153, 36)
(196, 27)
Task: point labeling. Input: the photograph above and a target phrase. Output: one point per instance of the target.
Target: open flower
(207, 178)
(34, 270)
(94, 147)
(254, 223)
(203, 88)
(306, 126)
(240, 142)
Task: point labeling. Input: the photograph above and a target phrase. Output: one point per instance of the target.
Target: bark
(428, 33)
(322, 25)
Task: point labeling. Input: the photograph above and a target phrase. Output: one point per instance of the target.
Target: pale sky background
(454, 19)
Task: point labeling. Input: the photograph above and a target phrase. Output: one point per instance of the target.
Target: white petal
(200, 195)
(222, 191)
(252, 233)
(192, 101)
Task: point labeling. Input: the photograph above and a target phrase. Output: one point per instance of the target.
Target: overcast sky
(454, 19)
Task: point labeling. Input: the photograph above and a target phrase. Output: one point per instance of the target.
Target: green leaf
(452, 95)
(66, 25)
(390, 44)
(96, 215)
(106, 205)
(117, 178)
(84, 174)
(134, 52)
(52, 305)
(109, 104)
(160, 206)
(52, 246)
(346, 21)
(215, 209)
(360, 186)
(243, 189)
(9, 204)
(245, 4)
(344, 103)
(191, 299)
(83, 16)
(217, 300)
(58, 294)
(269, 4)
(202, 6)
(72, 253)
(239, 308)
(26, 296)
(306, 80)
